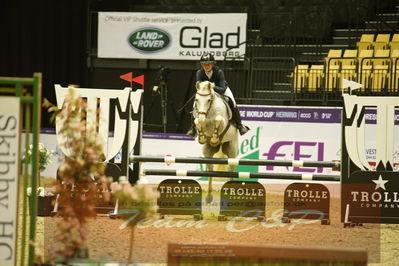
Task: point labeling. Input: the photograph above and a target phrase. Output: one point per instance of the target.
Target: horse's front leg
(215, 141)
(201, 136)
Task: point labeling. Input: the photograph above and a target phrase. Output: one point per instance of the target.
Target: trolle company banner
(170, 36)
(9, 157)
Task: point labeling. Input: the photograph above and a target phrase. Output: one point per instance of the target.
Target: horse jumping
(215, 132)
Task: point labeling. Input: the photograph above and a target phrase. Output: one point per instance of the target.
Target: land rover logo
(149, 40)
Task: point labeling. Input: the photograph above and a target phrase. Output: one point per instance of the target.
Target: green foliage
(44, 156)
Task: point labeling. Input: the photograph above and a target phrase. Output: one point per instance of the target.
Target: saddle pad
(226, 102)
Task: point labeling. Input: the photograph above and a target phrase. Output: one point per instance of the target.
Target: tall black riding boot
(192, 130)
(237, 118)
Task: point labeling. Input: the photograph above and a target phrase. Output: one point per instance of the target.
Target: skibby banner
(170, 36)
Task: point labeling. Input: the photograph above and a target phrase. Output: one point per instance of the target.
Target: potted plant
(44, 156)
(45, 194)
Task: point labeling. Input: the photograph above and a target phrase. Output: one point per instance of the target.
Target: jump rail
(233, 161)
(307, 176)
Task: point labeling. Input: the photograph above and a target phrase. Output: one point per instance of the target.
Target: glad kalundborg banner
(170, 36)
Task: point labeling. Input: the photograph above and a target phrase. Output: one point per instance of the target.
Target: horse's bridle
(210, 103)
(207, 111)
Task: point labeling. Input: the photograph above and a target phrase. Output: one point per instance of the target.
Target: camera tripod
(162, 90)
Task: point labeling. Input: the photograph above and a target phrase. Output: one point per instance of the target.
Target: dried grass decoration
(82, 172)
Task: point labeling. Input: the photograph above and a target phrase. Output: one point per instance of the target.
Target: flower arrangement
(43, 191)
(135, 204)
(44, 156)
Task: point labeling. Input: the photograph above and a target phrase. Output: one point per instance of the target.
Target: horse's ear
(197, 85)
(211, 85)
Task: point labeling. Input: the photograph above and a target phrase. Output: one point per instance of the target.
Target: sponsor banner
(9, 162)
(170, 36)
(272, 137)
(242, 198)
(181, 197)
(302, 114)
(370, 191)
(370, 116)
(284, 114)
(307, 201)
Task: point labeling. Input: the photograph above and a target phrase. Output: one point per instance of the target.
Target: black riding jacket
(217, 78)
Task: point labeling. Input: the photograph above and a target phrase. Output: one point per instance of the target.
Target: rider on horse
(210, 72)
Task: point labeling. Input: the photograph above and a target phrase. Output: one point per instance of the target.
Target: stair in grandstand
(347, 38)
(277, 93)
(383, 22)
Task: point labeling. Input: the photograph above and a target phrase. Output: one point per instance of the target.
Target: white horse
(215, 132)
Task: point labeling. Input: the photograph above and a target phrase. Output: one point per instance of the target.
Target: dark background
(51, 37)
(58, 39)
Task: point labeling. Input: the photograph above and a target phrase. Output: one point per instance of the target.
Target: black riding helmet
(207, 58)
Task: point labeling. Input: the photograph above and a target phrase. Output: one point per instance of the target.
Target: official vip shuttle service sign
(9, 150)
(170, 36)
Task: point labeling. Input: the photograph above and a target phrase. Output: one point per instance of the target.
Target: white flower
(28, 191)
(44, 156)
(41, 191)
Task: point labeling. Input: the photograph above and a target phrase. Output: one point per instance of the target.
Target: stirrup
(243, 129)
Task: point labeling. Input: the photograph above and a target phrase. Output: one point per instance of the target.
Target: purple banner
(295, 114)
(274, 114)
(166, 136)
(371, 116)
(302, 114)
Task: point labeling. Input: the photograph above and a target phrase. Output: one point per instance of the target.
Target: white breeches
(229, 94)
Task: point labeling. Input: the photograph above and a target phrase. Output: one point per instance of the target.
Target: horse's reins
(189, 100)
(210, 104)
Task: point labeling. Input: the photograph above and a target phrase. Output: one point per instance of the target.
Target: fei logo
(297, 150)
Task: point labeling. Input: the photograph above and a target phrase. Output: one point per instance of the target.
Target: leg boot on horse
(192, 130)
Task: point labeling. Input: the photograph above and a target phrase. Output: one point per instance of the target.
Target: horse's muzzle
(201, 118)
